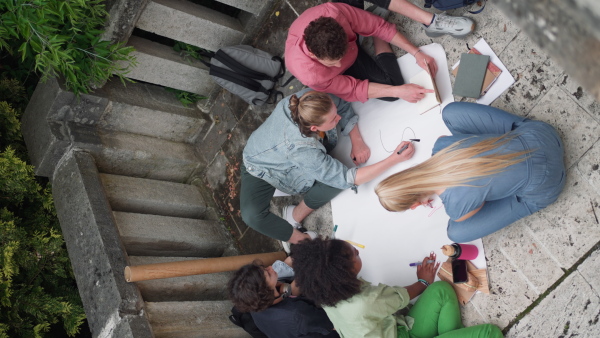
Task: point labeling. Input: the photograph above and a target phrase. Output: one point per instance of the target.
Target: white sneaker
(287, 213)
(456, 26)
(312, 234)
(286, 245)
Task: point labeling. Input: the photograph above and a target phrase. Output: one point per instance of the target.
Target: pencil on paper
(355, 244)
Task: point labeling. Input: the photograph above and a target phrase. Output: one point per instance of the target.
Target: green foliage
(188, 51)
(62, 37)
(37, 290)
(186, 98)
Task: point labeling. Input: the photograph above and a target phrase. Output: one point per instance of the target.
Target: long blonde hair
(452, 166)
(309, 110)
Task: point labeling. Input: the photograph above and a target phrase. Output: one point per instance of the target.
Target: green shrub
(61, 38)
(37, 287)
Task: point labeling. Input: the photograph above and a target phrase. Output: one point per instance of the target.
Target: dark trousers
(255, 200)
(383, 68)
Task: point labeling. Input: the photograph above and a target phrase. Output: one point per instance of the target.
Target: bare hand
(405, 154)
(360, 152)
(422, 57)
(412, 93)
(427, 270)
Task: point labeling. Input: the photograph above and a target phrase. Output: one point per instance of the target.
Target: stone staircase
(193, 24)
(111, 221)
(121, 160)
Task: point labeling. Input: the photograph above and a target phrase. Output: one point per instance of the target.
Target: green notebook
(470, 75)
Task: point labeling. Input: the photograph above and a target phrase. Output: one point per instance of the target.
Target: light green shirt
(371, 312)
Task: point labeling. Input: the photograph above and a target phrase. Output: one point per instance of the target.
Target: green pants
(255, 200)
(437, 314)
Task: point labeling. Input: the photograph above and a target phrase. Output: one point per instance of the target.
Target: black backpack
(247, 72)
(245, 321)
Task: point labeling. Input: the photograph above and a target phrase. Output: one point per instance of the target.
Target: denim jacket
(279, 154)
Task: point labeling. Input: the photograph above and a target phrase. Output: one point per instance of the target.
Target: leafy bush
(37, 287)
(186, 98)
(61, 38)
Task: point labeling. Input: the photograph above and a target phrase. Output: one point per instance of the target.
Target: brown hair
(326, 39)
(248, 288)
(309, 110)
(452, 166)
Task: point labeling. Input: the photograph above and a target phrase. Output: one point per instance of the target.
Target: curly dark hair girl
(325, 270)
(326, 39)
(309, 110)
(248, 288)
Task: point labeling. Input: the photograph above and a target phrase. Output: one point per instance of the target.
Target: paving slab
(583, 98)
(535, 264)
(471, 315)
(510, 294)
(590, 270)
(571, 230)
(589, 165)
(571, 310)
(578, 130)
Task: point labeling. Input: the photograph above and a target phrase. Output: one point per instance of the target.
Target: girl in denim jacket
(289, 152)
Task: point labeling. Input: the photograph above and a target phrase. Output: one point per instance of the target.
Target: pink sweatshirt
(330, 79)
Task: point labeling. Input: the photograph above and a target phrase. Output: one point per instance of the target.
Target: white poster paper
(394, 240)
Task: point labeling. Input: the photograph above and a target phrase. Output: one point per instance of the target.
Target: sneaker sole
(454, 35)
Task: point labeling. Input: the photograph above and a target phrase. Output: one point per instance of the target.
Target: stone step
(161, 65)
(146, 109)
(253, 7)
(192, 320)
(145, 196)
(153, 235)
(143, 156)
(190, 23)
(206, 287)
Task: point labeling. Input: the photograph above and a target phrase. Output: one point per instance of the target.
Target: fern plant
(62, 38)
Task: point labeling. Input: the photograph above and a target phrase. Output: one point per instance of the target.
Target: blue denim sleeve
(319, 166)
(345, 110)
(283, 270)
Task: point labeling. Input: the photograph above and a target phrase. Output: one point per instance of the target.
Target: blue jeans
(545, 177)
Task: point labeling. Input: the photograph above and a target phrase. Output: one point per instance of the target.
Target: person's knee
(452, 110)
(441, 286)
(442, 289)
(457, 233)
(252, 216)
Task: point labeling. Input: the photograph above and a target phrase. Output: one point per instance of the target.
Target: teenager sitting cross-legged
(277, 309)
(327, 271)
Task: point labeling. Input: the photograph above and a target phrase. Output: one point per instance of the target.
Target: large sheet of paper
(394, 240)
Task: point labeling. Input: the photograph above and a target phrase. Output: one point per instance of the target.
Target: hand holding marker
(406, 145)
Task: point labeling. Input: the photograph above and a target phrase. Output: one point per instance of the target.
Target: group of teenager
(494, 169)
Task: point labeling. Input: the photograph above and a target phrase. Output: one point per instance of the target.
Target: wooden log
(197, 266)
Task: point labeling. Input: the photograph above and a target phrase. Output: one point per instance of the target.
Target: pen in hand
(406, 145)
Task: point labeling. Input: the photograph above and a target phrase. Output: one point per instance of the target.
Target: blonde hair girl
(289, 152)
(496, 168)
(451, 167)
